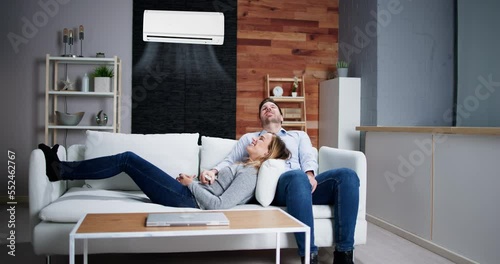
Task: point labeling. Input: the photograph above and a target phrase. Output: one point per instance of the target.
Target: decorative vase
(294, 94)
(101, 119)
(102, 84)
(342, 72)
(85, 83)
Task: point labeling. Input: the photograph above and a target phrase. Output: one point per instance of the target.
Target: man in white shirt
(300, 186)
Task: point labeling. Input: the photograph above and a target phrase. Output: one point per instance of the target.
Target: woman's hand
(207, 176)
(185, 179)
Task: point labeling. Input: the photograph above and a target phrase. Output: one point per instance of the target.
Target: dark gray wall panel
(183, 87)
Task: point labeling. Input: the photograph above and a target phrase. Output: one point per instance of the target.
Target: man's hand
(312, 180)
(207, 180)
(185, 179)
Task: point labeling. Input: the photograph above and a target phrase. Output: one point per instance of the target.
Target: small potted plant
(102, 79)
(295, 85)
(342, 68)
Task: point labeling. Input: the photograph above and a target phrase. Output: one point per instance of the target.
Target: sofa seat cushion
(78, 201)
(319, 211)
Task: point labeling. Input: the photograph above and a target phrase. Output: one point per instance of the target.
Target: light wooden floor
(382, 247)
(385, 247)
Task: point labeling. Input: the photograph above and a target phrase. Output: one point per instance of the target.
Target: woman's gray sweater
(235, 185)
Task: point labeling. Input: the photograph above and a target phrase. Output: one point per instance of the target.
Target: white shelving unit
(53, 94)
(294, 108)
(340, 113)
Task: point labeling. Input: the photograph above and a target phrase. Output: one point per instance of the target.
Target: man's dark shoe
(342, 257)
(314, 258)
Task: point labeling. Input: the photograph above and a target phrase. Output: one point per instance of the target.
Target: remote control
(207, 177)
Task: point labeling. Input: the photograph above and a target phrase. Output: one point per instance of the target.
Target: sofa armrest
(41, 191)
(75, 153)
(333, 158)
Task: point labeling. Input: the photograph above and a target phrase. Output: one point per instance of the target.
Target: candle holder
(70, 43)
(65, 40)
(80, 37)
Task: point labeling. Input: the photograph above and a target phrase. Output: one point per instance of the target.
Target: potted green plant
(102, 79)
(295, 85)
(342, 68)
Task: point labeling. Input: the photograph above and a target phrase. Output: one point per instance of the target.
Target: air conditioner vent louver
(183, 27)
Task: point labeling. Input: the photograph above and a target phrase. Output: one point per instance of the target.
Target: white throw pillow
(172, 153)
(214, 150)
(267, 180)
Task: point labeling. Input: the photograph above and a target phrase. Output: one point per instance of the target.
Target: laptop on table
(187, 219)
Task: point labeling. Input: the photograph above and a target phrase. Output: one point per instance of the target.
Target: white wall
(36, 26)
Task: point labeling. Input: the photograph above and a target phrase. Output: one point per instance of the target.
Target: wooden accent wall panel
(283, 39)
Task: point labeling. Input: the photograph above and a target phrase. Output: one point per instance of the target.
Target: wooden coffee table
(132, 225)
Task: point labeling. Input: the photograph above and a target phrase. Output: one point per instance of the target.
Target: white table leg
(71, 249)
(278, 247)
(85, 251)
(307, 257)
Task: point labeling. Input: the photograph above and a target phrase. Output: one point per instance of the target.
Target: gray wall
(478, 65)
(403, 52)
(358, 46)
(107, 25)
(415, 64)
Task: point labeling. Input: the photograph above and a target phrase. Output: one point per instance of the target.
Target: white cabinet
(466, 196)
(340, 113)
(56, 70)
(399, 187)
(437, 187)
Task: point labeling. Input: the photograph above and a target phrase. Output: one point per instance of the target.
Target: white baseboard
(452, 256)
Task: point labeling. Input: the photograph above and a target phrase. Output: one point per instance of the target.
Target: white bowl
(69, 119)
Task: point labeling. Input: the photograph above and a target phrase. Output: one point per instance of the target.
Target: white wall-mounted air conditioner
(183, 27)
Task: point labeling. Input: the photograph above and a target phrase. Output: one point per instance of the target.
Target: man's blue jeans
(160, 187)
(338, 187)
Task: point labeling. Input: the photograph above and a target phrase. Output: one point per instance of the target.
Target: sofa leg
(47, 259)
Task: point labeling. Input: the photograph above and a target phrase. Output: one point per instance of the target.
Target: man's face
(270, 113)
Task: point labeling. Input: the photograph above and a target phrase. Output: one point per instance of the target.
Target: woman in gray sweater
(234, 185)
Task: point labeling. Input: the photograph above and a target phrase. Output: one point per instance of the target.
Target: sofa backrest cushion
(214, 150)
(172, 153)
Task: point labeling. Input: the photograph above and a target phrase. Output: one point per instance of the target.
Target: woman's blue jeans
(338, 187)
(160, 187)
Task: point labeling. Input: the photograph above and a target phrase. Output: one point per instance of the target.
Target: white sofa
(55, 207)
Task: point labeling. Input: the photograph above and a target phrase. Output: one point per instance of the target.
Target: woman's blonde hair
(276, 150)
